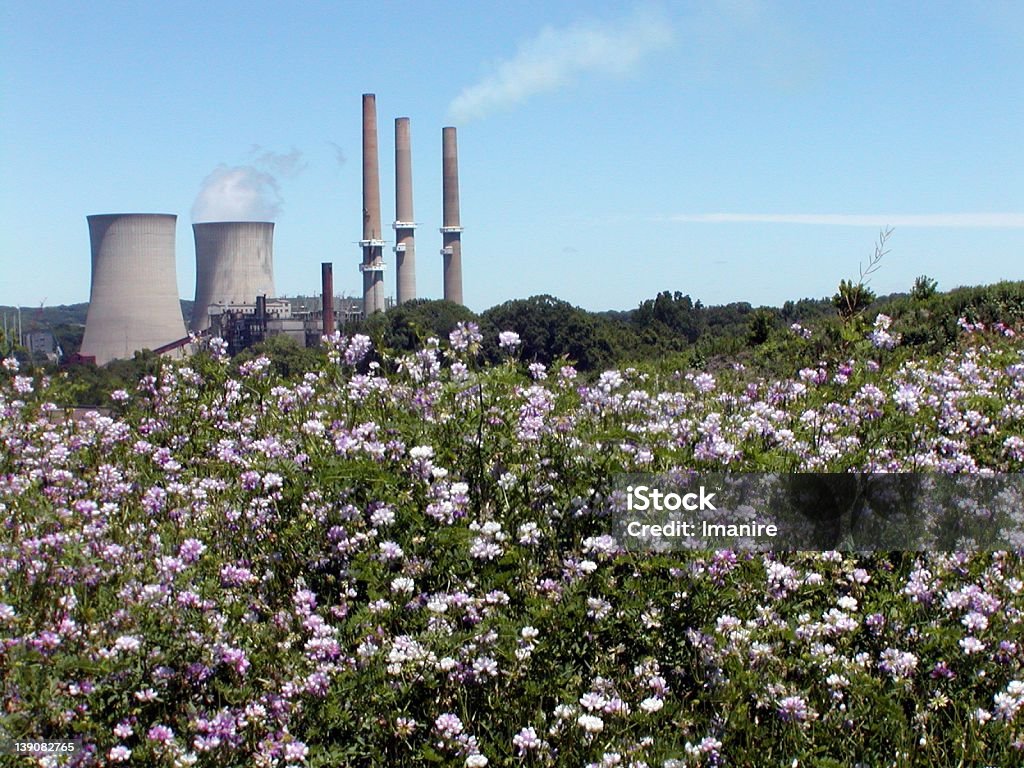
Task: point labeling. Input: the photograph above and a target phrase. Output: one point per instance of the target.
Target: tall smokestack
(372, 244)
(327, 288)
(133, 299)
(405, 245)
(452, 230)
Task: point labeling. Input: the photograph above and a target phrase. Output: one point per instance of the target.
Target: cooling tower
(234, 265)
(372, 265)
(133, 299)
(405, 241)
(452, 230)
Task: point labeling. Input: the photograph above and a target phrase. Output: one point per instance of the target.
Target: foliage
(761, 324)
(288, 357)
(674, 313)
(551, 329)
(855, 297)
(934, 323)
(407, 326)
(404, 559)
(852, 299)
(924, 288)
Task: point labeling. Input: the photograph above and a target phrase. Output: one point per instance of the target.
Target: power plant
(133, 298)
(134, 304)
(234, 265)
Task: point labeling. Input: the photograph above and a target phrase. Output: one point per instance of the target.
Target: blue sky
(741, 150)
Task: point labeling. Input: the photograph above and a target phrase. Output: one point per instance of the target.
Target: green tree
(551, 328)
(760, 326)
(854, 297)
(924, 288)
(406, 326)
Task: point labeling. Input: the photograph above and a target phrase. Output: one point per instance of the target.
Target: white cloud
(990, 220)
(240, 193)
(556, 57)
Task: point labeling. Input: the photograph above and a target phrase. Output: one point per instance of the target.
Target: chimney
(405, 247)
(451, 230)
(372, 266)
(327, 288)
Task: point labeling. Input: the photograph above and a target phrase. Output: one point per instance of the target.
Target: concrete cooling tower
(234, 265)
(133, 300)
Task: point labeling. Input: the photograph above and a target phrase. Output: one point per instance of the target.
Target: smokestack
(234, 264)
(327, 283)
(405, 246)
(452, 230)
(133, 298)
(261, 311)
(372, 244)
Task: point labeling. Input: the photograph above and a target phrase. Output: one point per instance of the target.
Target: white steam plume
(555, 57)
(239, 193)
(247, 192)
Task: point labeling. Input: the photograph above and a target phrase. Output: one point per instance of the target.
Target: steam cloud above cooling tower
(246, 192)
(242, 193)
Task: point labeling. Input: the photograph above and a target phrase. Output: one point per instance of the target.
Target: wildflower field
(402, 560)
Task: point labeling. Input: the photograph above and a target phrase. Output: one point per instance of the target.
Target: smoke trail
(555, 58)
(285, 166)
(239, 193)
(339, 154)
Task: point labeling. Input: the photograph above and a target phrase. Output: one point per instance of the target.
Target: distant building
(41, 344)
(299, 318)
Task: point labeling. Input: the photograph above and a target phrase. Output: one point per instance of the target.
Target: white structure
(234, 265)
(133, 300)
